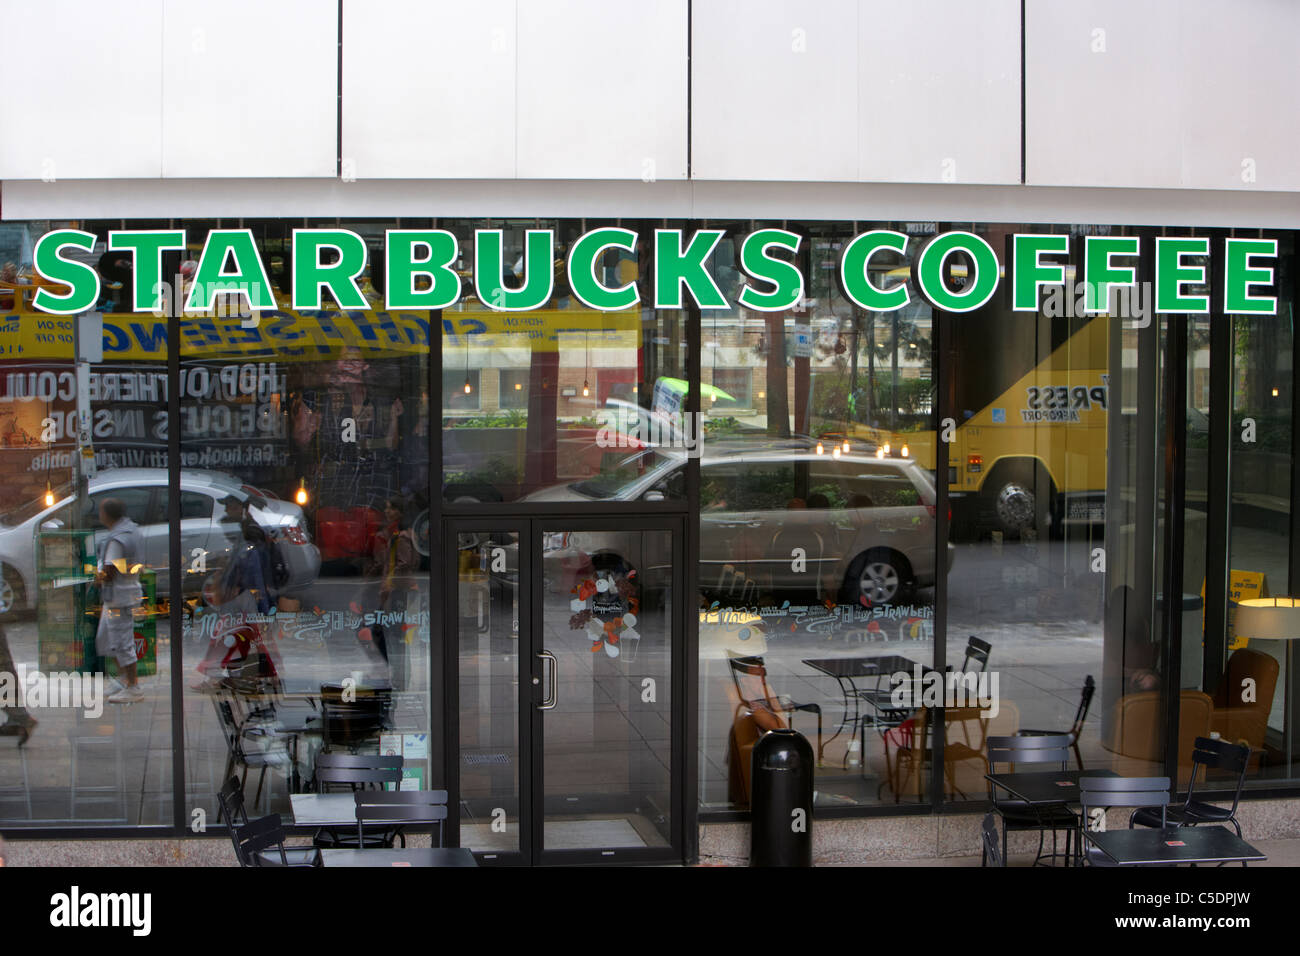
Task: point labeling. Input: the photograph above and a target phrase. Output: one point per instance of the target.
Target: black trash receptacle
(781, 801)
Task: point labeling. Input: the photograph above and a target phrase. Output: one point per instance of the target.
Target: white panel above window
(82, 89)
(603, 91)
(250, 88)
(429, 89)
(939, 93)
(1241, 117)
(774, 90)
(1166, 94)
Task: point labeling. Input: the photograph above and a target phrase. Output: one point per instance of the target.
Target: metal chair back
(401, 807)
(357, 770)
(230, 802)
(1219, 755)
(360, 761)
(257, 835)
(1104, 793)
(1045, 749)
(1011, 752)
(229, 725)
(749, 674)
(977, 651)
(1085, 701)
(349, 721)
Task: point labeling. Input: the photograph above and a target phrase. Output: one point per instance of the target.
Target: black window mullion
(175, 584)
(689, 785)
(1218, 491)
(941, 338)
(1293, 568)
(1174, 453)
(444, 691)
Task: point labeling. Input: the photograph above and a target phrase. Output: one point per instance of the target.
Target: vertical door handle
(552, 698)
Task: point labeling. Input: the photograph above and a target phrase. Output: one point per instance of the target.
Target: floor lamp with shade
(1274, 619)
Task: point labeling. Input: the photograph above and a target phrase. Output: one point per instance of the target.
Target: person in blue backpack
(250, 565)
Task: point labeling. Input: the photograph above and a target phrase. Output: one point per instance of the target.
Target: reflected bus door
(568, 636)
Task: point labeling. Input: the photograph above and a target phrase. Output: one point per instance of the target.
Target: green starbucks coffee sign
(418, 270)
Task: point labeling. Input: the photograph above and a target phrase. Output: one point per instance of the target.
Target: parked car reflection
(778, 518)
(206, 527)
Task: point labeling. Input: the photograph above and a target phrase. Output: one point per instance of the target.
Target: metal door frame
(531, 732)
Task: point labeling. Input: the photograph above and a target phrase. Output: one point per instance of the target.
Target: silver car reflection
(853, 528)
(205, 528)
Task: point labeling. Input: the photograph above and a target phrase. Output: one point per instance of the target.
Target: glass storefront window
(817, 530)
(1251, 696)
(306, 560)
(561, 402)
(1051, 510)
(833, 447)
(84, 603)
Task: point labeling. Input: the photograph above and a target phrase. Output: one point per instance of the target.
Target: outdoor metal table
(1143, 846)
(1044, 788)
(324, 809)
(846, 670)
(413, 857)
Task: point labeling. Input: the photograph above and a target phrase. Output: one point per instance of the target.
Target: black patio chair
(1080, 715)
(250, 743)
(978, 651)
(1212, 755)
(1041, 753)
(1104, 793)
(260, 843)
(356, 772)
(400, 808)
(350, 721)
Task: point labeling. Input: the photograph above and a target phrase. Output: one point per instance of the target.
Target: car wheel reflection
(879, 582)
(420, 532)
(9, 602)
(879, 577)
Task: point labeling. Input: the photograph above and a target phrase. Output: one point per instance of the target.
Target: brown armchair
(745, 731)
(1238, 721)
(1134, 733)
(758, 711)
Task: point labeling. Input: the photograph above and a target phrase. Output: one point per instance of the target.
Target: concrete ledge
(952, 836)
(206, 851)
(141, 852)
(899, 840)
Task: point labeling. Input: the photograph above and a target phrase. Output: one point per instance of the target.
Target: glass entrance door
(607, 614)
(491, 773)
(569, 653)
